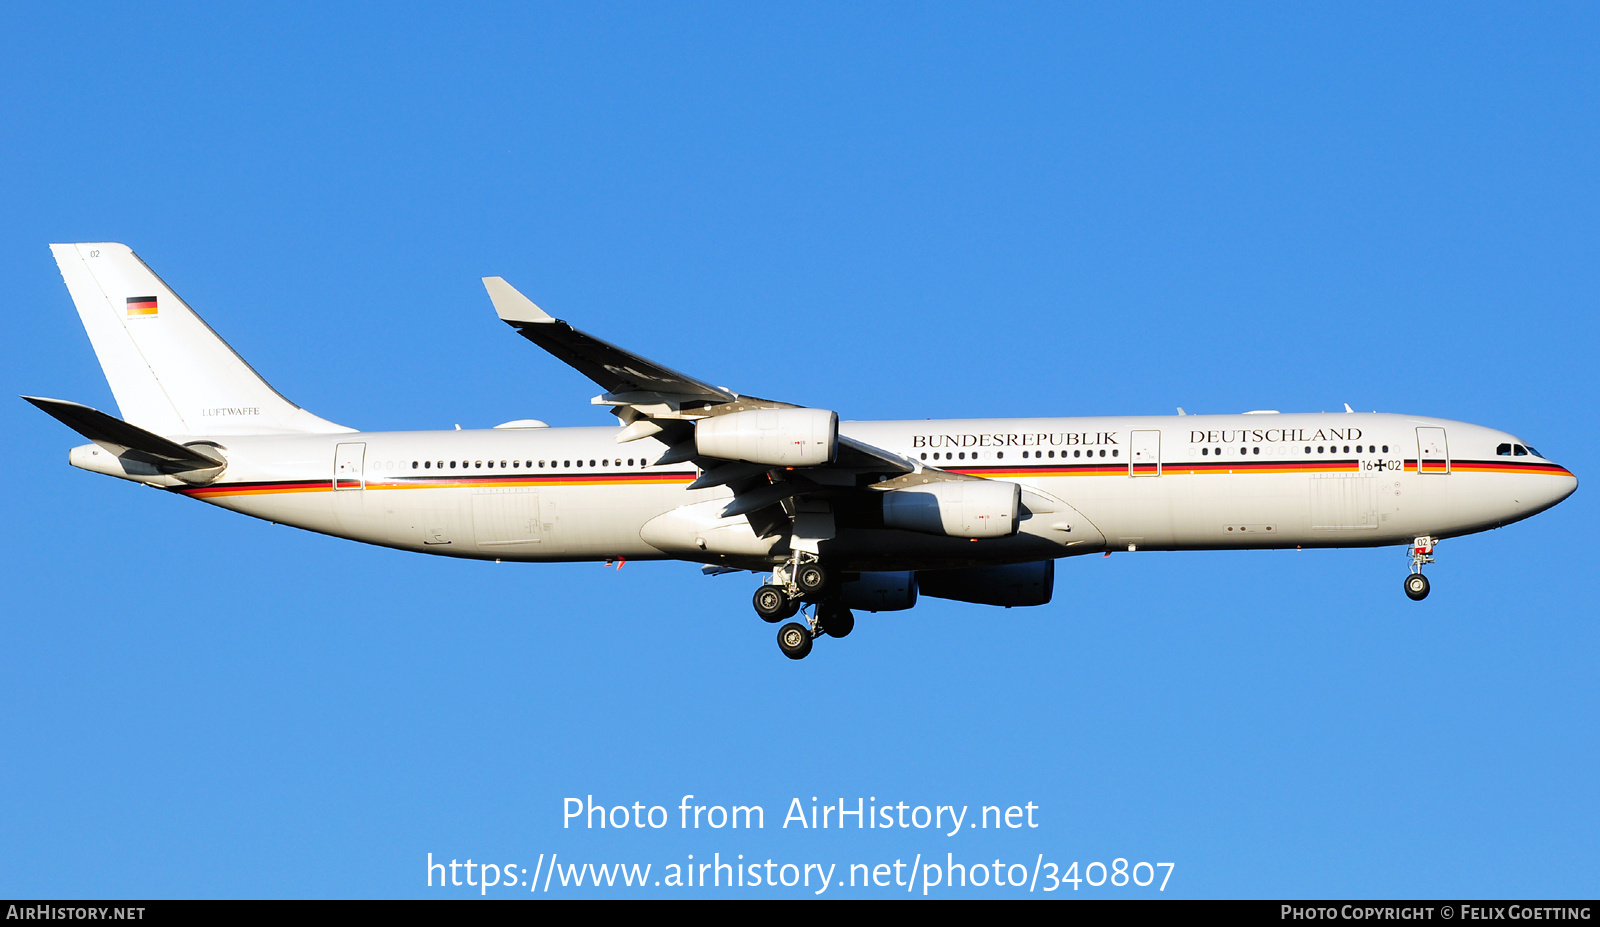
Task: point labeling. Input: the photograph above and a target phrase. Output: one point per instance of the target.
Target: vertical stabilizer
(170, 373)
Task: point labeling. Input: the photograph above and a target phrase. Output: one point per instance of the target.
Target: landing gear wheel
(794, 639)
(811, 578)
(835, 620)
(773, 604)
(1417, 587)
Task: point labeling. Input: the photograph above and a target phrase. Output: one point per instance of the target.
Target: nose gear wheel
(1421, 552)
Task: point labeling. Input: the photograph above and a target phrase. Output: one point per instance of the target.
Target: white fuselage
(1090, 484)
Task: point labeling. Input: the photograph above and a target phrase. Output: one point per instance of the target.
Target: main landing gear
(794, 639)
(1421, 552)
(803, 581)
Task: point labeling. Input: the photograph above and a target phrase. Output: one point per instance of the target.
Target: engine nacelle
(779, 437)
(1010, 585)
(958, 509)
(880, 592)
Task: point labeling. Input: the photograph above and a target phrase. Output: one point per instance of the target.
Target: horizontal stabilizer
(125, 440)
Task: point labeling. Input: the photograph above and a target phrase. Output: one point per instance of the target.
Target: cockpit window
(1503, 450)
(1534, 452)
(1519, 450)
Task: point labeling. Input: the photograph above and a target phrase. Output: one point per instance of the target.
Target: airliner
(838, 516)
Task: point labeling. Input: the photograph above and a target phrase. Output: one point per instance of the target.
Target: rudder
(170, 373)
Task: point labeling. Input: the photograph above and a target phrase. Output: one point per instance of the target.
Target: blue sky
(897, 211)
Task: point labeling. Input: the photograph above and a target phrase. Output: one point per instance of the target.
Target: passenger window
(1113, 452)
(1257, 450)
(1308, 449)
(1204, 451)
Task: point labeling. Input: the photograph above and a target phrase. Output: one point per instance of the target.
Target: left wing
(767, 452)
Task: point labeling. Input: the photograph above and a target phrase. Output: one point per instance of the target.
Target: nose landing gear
(1421, 552)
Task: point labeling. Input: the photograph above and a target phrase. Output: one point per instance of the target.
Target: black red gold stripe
(1511, 466)
(527, 480)
(278, 487)
(141, 305)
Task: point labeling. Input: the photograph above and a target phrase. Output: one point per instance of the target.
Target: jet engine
(880, 592)
(1010, 585)
(958, 509)
(778, 437)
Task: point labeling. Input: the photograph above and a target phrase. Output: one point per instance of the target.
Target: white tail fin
(170, 373)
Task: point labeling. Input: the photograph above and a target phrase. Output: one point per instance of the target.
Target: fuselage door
(1433, 454)
(348, 462)
(1144, 455)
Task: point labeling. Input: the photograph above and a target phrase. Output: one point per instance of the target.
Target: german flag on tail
(141, 305)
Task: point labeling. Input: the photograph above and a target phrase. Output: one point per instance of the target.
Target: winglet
(512, 306)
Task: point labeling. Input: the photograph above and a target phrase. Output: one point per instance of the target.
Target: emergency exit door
(348, 466)
(1144, 454)
(1433, 454)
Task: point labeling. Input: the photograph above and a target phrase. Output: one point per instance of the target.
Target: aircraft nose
(1566, 485)
(1558, 486)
